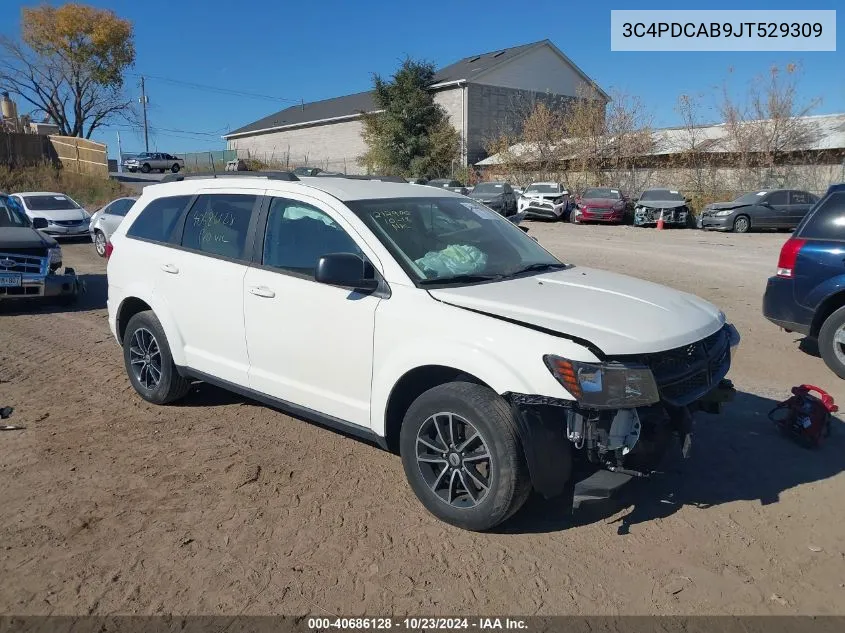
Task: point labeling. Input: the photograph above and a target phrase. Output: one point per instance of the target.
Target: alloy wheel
(839, 344)
(454, 460)
(145, 358)
(100, 243)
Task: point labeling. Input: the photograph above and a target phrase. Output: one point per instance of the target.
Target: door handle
(262, 291)
(170, 268)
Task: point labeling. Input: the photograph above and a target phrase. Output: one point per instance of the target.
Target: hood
(662, 204)
(61, 215)
(619, 315)
(24, 237)
(721, 206)
(599, 202)
(544, 196)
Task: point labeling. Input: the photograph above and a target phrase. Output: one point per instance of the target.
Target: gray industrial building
(484, 95)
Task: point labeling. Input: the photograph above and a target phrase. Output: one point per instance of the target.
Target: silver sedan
(106, 220)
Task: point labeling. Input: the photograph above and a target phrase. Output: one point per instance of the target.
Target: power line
(220, 90)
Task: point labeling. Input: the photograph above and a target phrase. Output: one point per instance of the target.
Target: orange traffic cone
(660, 222)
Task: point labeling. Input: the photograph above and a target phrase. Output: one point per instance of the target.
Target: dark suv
(808, 293)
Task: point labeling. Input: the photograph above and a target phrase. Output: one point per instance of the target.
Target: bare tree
(767, 126)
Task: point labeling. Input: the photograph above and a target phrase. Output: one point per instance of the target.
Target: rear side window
(218, 224)
(157, 220)
(828, 220)
(799, 197)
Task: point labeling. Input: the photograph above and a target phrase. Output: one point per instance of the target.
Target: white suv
(417, 318)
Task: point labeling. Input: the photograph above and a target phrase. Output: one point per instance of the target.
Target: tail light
(109, 249)
(788, 257)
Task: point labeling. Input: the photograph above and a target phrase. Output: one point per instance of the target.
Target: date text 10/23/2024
(417, 624)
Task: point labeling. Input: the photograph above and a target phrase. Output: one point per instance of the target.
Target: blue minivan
(808, 293)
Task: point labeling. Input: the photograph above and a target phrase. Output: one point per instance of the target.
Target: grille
(599, 210)
(24, 262)
(20, 291)
(68, 222)
(685, 374)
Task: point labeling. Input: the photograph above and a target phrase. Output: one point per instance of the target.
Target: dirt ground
(219, 505)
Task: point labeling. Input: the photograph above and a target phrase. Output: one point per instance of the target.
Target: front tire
(462, 456)
(148, 362)
(832, 342)
(145, 168)
(742, 224)
(100, 243)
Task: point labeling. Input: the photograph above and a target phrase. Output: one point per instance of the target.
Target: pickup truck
(30, 260)
(148, 162)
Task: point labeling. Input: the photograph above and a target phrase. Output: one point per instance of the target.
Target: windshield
(489, 187)
(451, 240)
(543, 188)
(50, 203)
(751, 198)
(602, 192)
(661, 194)
(11, 214)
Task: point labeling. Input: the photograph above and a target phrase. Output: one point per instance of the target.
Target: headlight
(723, 213)
(605, 385)
(55, 255)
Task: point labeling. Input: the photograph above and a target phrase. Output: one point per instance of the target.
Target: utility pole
(119, 156)
(144, 106)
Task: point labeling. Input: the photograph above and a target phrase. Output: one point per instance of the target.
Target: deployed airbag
(456, 259)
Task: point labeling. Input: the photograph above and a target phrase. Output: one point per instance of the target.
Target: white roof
(821, 132)
(344, 189)
(41, 193)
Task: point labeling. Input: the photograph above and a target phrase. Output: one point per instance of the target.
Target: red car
(600, 204)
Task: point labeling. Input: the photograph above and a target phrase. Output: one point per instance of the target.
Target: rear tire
(175, 168)
(742, 224)
(832, 342)
(465, 422)
(148, 362)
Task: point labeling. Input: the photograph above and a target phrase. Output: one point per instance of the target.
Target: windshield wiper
(536, 268)
(459, 279)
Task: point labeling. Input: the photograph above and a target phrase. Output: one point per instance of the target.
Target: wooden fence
(78, 155)
(81, 156)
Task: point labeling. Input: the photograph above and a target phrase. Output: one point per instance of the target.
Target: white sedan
(65, 217)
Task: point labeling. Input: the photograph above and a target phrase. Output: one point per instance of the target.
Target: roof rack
(364, 177)
(270, 175)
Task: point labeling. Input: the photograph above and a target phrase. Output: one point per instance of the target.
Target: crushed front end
(625, 417)
(649, 216)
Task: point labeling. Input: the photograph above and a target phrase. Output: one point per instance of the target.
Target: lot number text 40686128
(417, 624)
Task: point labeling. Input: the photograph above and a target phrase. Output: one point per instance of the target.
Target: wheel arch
(134, 303)
(411, 385)
(827, 307)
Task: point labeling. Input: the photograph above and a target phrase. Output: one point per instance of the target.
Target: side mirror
(346, 270)
(39, 223)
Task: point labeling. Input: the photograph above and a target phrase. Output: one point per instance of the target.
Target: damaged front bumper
(562, 440)
(646, 216)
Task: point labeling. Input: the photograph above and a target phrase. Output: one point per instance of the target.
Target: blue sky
(313, 51)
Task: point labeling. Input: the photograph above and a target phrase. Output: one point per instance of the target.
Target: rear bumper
(780, 307)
